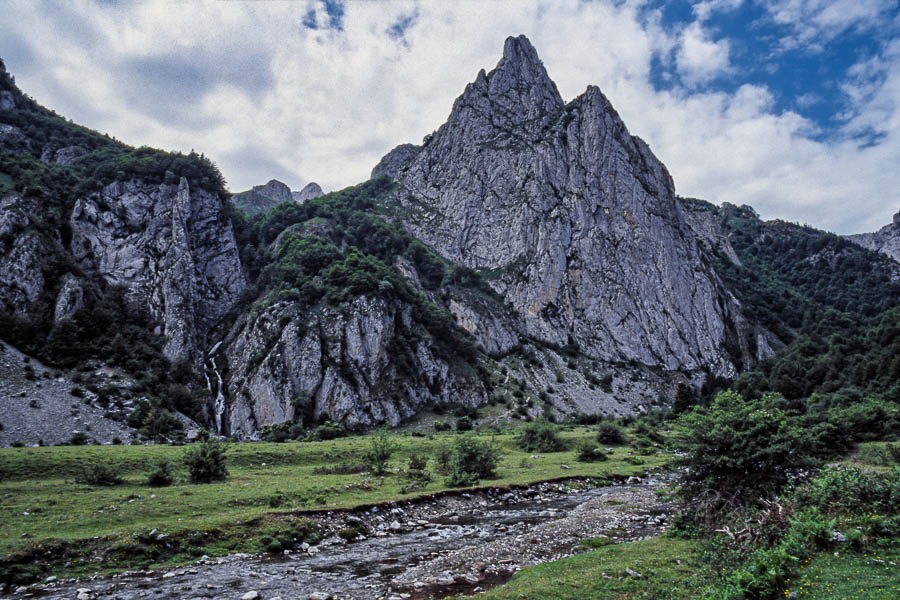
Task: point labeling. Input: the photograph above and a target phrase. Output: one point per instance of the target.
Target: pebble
(252, 595)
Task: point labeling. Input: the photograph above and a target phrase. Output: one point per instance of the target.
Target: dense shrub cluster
(540, 436)
(206, 461)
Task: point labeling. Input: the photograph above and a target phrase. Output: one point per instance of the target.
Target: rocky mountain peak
(275, 190)
(310, 190)
(575, 219)
(897, 219)
(517, 93)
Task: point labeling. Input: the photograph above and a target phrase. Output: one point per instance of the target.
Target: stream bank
(450, 544)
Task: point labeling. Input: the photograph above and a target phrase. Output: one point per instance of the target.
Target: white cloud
(705, 9)
(265, 97)
(700, 59)
(814, 23)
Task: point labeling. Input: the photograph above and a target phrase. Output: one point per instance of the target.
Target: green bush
(737, 451)
(540, 436)
(852, 491)
(443, 455)
(327, 431)
(473, 457)
(381, 447)
(79, 438)
(417, 462)
(206, 461)
(162, 475)
(610, 435)
(464, 423)
(99, 475)
(587, 451)
(461, 479)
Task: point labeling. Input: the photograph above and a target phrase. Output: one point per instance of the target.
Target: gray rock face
(703, 219)
(310, 190)
(172, 249)
(13, 139)
(575, 219)
(395, 161)
(274, 189)
(7, 100)
(70, 298)
(21, 255)
(341, 365)
(63, 156)
(886, 240)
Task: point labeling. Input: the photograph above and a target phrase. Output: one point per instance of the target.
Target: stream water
(390, 563)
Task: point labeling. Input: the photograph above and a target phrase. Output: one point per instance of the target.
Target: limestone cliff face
(170, 246)
(575, 220)
(886, 240)
(359, 366)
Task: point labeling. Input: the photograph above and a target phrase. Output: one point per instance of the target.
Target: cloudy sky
(791, 106)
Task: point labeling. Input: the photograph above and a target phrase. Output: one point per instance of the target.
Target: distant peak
(519, 49)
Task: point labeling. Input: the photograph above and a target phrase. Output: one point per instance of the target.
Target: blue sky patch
(805, 76)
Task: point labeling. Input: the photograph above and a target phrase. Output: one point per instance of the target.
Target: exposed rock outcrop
(886, 240)
(170, 246)
(70, 298)
(395, 161)
(21, 255)
(63, 156)
(310, 190)
(575, 219)
(360, 366)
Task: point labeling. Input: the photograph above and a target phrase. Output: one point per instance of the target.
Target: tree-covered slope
(833, 306)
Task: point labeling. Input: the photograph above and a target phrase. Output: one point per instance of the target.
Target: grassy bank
(660, 568)
(269, 487)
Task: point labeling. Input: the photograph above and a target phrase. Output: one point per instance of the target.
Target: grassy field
(269, 487)
(871, 575)
(663, 569)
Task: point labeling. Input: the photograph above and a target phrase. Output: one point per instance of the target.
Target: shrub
(472, 456)
(76, 391)
(540, 436)
(441, 426)
(381, 447)
(737, 451)
(461, 479)
(443, 454)
(206, 461)
(464, 423)
(79, 438)
(326, 431)
(99, 475)
(852, 491)
(278, 432)
(162, 476)
(587, 451)
(418, 462)
(610, 435)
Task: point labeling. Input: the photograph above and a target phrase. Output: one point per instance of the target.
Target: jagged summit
(517, 94)
(575, 218)
(520, 76)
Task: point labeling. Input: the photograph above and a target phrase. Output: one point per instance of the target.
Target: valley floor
(51, 524)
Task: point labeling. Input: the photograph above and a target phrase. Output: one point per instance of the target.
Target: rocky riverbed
(451, 544)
